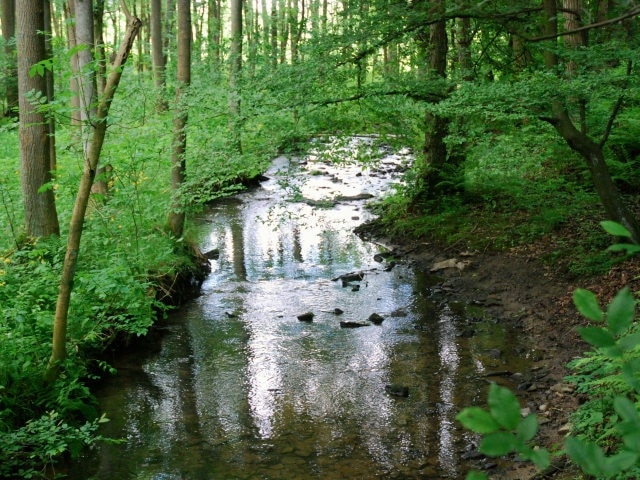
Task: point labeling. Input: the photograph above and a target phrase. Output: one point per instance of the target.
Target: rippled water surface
(238, 388)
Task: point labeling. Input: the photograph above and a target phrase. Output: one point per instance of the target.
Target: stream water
(237, 387)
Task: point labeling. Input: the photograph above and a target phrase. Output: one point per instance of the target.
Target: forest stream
(243, 385)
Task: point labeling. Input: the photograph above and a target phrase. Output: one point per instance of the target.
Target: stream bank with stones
(310, 353)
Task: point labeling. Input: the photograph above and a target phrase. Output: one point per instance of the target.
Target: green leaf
(628, 248)
(504, 406)
(621, 311)
(474, 475)
(498, 443)
(45, 187)
(614, 228)
(629, 342)
(588, 456)
(587, 304)
(527, 428)
(626, 409)
(477, 420)
(619, 462)
(540, 458)
(598, 337)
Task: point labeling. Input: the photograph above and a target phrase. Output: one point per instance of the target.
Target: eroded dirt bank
(517, 287)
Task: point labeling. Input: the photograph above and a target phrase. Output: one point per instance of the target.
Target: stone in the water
(376, 318)
(397, 390)
(353, 324)
(306, 317)
(338, 311)
(213, 254)
(355, 288)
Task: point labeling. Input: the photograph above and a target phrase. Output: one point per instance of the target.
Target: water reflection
(241, 389)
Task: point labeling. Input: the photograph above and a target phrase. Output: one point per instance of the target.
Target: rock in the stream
(397, 390)
(376, 318)
(306, 317)
(338, 311)
(213, 254)
(353, 324)
(349, 277)
(450, 263)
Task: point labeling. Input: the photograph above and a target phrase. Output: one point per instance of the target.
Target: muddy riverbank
(518, 289)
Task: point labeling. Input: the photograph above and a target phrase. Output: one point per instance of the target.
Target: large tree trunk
(8, 19)
(176, 217)
(436, 127)
(41, 218)
(58, 351)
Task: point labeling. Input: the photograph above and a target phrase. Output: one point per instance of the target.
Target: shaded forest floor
(521, 285)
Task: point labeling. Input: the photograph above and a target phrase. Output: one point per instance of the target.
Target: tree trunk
(214, 32)
(58, 351)
(101, 60)
(157, 42)
(235, 62)
(41, 218)
(175, 221)
(8, 18)
(85, 74)
(283, 29)
(436, 127)
(51, 125)
(274, 35)
(70, 15)
(169, 29)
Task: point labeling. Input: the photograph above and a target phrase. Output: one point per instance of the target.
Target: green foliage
(503, 429)
(27, 451)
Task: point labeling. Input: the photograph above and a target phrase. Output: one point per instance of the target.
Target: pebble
(566, 428)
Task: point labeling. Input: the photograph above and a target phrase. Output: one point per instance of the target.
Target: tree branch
(614, 113)
(631, 13)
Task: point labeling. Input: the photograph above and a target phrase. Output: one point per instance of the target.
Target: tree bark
(41, 218)
(157, 43)
(58, 351)
(176, 218)
(436, 127)
(8, 19)
(235, 67)
(51, 124)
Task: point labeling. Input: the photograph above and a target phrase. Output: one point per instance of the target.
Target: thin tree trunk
(50, 86)
(8, 19)
(101, 60)
(176, 218)
(41, 218)
(70, 15)
(235, 62)
(158, 56)
(59, 352)
(169, 28)
(274, 34)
